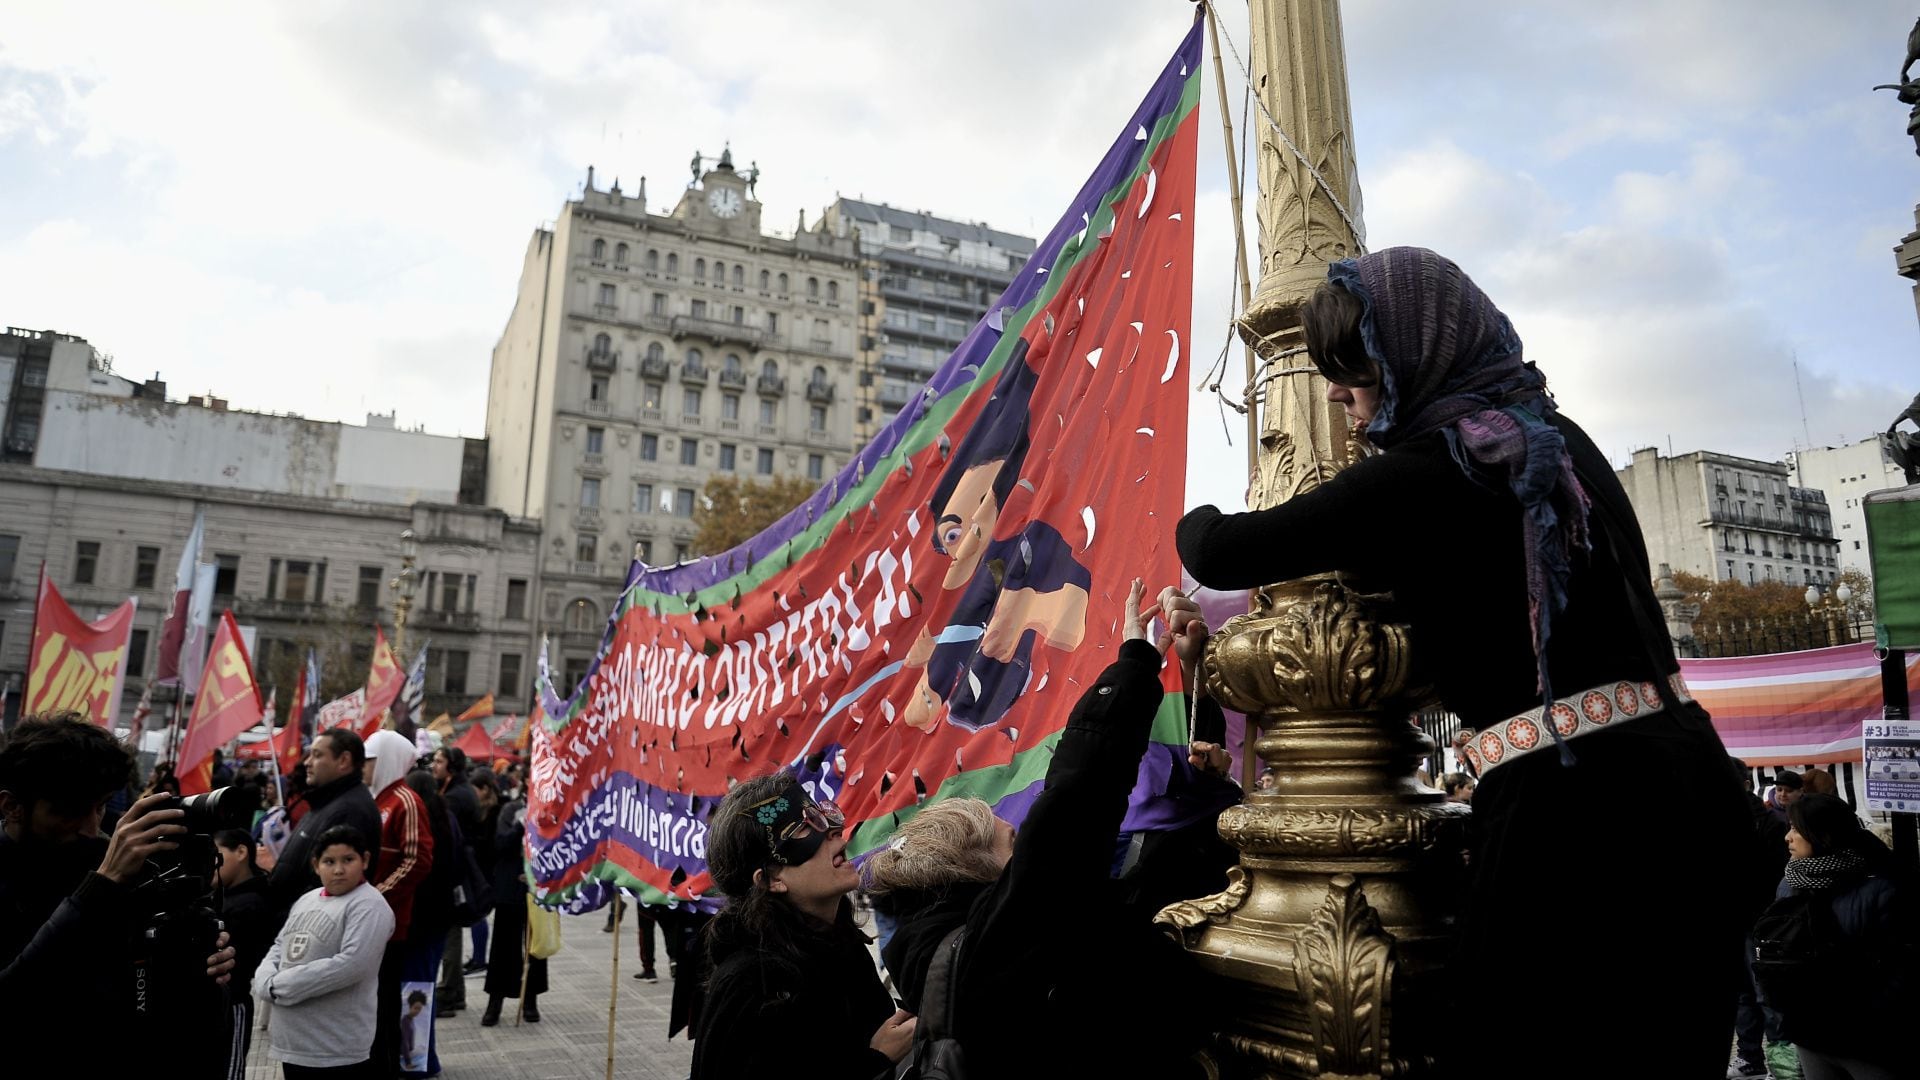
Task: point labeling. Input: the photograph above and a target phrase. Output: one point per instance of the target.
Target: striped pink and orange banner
(1797, 708)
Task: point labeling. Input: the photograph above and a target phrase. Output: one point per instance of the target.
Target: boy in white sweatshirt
(324, 967)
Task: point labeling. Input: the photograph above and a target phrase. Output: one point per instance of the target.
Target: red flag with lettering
(76, 666)
(290, 750)
(228, 704)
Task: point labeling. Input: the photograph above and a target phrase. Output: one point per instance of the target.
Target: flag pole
(613, 994)
(33, 634)
(273, 747)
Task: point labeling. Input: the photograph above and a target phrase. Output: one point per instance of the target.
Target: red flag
(479, 710)
(75, 665)
(228, 704)
(290, 752)
(384, 681)
(173, 632)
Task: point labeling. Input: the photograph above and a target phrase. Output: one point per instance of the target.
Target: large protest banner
(920, 627)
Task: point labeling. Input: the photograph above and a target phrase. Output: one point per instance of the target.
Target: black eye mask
(786, 815)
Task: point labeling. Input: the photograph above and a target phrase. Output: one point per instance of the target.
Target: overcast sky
(322, 207)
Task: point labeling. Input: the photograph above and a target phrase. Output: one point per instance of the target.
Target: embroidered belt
(1573, 716)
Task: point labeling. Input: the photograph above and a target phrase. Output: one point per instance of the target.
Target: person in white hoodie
(322, 972)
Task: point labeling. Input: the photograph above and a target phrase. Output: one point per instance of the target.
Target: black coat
(508, 841)
(251, 921)
(1060, 975)
(808, 1014)
(464, 807)
(345, 801)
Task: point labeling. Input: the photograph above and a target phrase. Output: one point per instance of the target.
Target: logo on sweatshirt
(298, 944)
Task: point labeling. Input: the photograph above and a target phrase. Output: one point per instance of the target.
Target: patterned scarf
(1819, 873)
(1451, 362)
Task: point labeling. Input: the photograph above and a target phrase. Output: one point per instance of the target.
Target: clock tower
(721, 200)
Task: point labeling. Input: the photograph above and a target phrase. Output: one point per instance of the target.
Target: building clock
(724, 202)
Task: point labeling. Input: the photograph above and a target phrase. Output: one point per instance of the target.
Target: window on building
(729, 406)
(683, 502)
(589, 493)
(576, 667)
(833, 291)
(367, 592)
(658, 305)
(727, 452)
(766, 281)
(673, 263)
(813, 287)
(509, 685)
(682, 552)
(9, 557)
(137, 652)
(86, 561)
(649, 448)
(689, 451)
(731, 365)
(653, 259)
(816, 467)
(1729, 569)
(596, 440)
(720, 274)
(739, 315)
(620, 255)
(900, 234)
(1753, 578)
(817, 418)
(769, 369)
(763, 462)
(699, 269)
(299, 582)
(599, 249)
(597, 389)
(643, 550)
(739, 277)
(699, 309)
(773, 323)
(656, 352)
(602, 344)
(783, 284)
(650, 394)
(586, 548)
(146, 566)
(690, 402)
(643, 498)
(516, 598)
(456, 672)
(273, 579)
(226, 575)
(607, 297)
(1856, 545)
(768, 411)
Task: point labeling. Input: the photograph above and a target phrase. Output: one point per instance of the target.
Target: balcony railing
(597, 408)
(446, 620)
(693, 371)
(819, 392)
(282, 609)
(653, 367)
(602, 359)
(772, 385)
(733, 377)
(895, 396)
(717, 331)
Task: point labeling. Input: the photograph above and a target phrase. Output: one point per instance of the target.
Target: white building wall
(1847, 474)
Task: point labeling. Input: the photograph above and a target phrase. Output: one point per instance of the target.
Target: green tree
(736, 509)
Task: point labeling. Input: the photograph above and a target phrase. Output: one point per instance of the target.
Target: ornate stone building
(648, 352)
(1726, 517)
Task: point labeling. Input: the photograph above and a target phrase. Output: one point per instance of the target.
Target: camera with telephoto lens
(177, 928)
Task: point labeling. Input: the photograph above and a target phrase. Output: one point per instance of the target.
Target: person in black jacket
(69, 916)
(504, 969)
(1851, 1024)
(247, 911)
(449, 766)
(1511, 551)
(793, 991)
(335, 796)
(432, 914)
(1057, 959)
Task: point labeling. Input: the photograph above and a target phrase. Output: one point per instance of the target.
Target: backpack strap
(937, 996)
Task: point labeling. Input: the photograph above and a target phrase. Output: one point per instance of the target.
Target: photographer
(70, 917)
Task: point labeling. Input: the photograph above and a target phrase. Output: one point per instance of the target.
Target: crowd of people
(342, 909)
(1709, 916)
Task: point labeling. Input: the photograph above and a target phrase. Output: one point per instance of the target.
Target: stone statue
(753, 177)
(1907, 89)
(696, 166)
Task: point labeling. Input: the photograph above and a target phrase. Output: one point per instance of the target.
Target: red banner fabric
(76, 666)
(228, 703)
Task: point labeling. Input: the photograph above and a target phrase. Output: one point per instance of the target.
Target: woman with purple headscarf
(1512, 550)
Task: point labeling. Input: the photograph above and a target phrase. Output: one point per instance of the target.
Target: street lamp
(1830, 606)
(403, 585)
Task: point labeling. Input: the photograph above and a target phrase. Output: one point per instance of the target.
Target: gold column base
(1333, 930)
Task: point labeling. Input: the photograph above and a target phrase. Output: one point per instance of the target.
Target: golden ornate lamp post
(404, 584)
(1333, 929)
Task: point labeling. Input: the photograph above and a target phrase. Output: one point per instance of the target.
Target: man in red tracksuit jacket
(406, 857)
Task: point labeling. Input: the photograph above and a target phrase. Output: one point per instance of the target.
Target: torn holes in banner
(679, 877)
(1086, 517)
(919, 787)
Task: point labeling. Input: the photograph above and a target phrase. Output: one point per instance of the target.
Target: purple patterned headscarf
(1451, 362)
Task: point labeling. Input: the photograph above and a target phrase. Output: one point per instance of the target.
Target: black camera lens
(222, 808)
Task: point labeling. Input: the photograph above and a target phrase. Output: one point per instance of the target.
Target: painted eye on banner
(950, 536)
